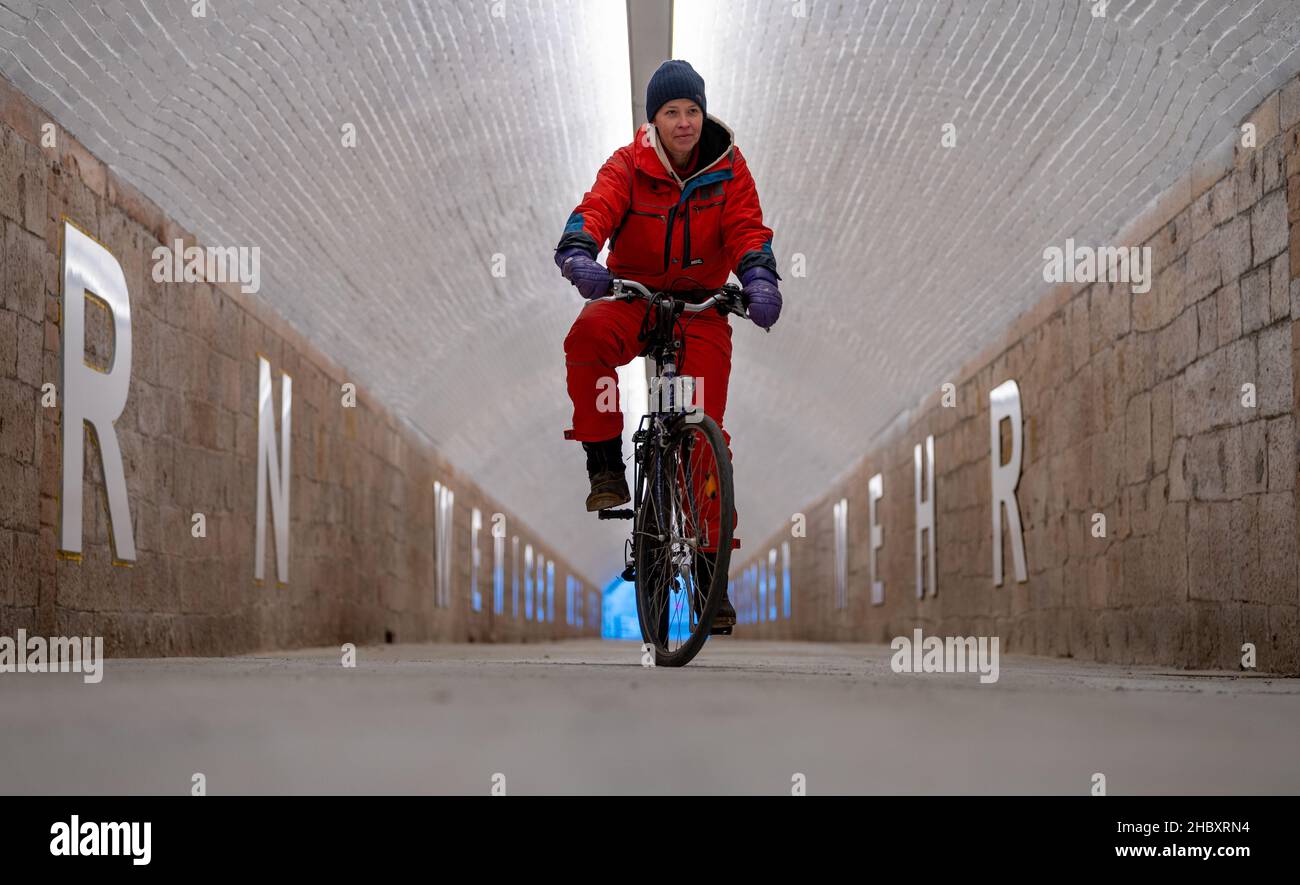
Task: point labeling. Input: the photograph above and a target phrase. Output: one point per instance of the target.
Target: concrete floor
(585, 717)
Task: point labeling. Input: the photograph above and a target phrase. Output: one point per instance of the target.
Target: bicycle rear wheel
(686, 507)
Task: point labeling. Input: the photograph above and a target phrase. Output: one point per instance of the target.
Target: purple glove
(588, 275)
(760, 295)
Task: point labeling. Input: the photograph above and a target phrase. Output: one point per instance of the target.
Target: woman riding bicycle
(681, 212)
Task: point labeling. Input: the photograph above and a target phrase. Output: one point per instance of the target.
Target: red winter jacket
(668, 233)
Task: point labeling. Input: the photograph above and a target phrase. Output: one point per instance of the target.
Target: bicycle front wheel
(683, 528)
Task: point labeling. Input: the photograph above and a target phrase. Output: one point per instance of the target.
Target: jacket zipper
(686, 237)
(668, 238)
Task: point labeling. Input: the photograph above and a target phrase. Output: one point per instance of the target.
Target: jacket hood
(716, 142)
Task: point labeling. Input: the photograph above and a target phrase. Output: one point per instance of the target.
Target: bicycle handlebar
(728, 297)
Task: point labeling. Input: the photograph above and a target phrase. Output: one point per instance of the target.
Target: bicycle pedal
(720, 631)
(614, 514)
(629, 574)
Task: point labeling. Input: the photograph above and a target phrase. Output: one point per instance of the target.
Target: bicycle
(682, 489)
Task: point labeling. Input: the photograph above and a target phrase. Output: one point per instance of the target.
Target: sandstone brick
(1173, 635)
(1170, 242)
(1268, 226)
(34, 194)
(1077, 330)
(1169, 288)
(173, 357)
(1135, 367)
(1277, 547)
(228, 324)
(230, 387)
(1108, 580)
(1222, 548)
(1114, 645)
(8, 568)
(18, 413)
(1223, 200)
(1255, 300)
(1228, 311)
(69, 582)
(33, 581)
(12, 164)
(8, 343)
(1234, 242)
(24, 260)
(1148, 624)
(1162, 421)
(1252, 467)
(1109, 313)
(31, 344)
(1275, 377)
(1214, 465)
(1202, 217)
(1204, 273)
(1295, 249)
(1176, 344)
(1179, 488)
(1137, 438)
(1281, 454)
(1248, 180)
(1273, 165)
(1169, 553)
(1293, 199)
(1207, 326)
(1280, 288)
(1147, 503)
(20, 503)
(1246, 573)
(1098, 476)
(1283, 625)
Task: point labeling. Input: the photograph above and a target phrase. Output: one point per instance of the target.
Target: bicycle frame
(660, 477)
(657, 424)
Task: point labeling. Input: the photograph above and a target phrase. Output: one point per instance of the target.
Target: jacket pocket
(706, 229)
(639, 242)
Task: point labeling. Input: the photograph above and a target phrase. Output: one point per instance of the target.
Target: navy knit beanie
(673, 79)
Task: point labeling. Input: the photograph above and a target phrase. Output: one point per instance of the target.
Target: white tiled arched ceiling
(480, 124)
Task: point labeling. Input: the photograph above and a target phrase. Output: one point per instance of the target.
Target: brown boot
(608, 478)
